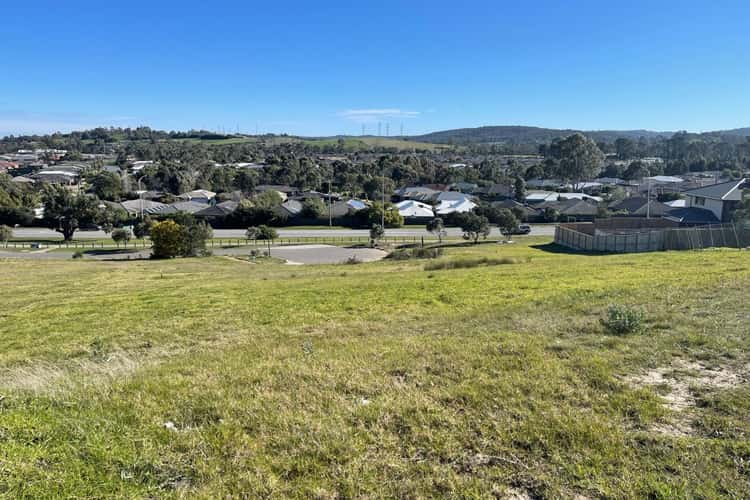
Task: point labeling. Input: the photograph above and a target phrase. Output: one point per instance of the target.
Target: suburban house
(284, 191)
(638, 206)
(496, 191)
(135, 207)
(720, 199)
(572, 209)
(419, 193)
(455, 206)
(189, 207)
(527, 213)
(290, 208)
(218, 211)
(343, 208)
(199, 196)
(56, 177)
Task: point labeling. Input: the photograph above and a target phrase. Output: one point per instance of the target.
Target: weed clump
(468, 263)
(416, 253)
(622, 320)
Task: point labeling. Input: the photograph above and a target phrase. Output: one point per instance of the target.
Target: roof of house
(134, 206)
(638, 205)
(578, 207)
(578, 196)
(189, 207)
(514, 205)
(460, 206)
(692, 215)
(611, 180)
(198, 193)
(451, 196)
(573, 207)
(731, 190)
(218, 210)
(541, 196)
(665, 179)
(290, 208)
(543, 183)
(681, 203)
(416, 190)
(357, 204)
(411, 208)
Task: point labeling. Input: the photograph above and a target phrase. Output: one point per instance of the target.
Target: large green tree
(106, 185)
(578, 157)
(65, 211)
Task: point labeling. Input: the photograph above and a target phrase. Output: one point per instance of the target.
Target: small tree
(251, 233)
(194, 236)
(167, 239)
(6, 233)
(261, 232)
(377, 232)
(506, 222)
(474, 226)
(143, 228)
(121, 235)
(519, 189)
(312, 208)
(437, 228)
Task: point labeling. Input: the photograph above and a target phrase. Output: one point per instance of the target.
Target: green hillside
(218, 377)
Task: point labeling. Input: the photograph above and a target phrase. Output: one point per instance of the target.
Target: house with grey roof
(720, 199)
(638, 206)
(135, 207)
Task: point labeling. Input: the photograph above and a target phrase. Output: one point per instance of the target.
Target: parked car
(520, 229)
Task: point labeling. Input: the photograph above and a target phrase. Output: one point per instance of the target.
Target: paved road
(48, 234)
(297, 254)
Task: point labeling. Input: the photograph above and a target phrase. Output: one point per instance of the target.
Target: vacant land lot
(219, 376)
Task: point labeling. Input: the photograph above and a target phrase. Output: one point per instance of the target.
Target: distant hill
(740, 132)
(526, 135)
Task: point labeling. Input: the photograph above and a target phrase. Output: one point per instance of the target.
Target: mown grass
(380, 379)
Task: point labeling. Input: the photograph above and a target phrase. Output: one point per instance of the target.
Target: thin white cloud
(373, 115)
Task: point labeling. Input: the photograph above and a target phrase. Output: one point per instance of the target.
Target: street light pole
(382, 215)
(140, 194)
(648, 195)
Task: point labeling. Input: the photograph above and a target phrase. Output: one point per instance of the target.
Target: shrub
(261, 232)
(376, 234)
(416, 253)
(167, 239)
(121, 235)
(621, 320)
(6, 233)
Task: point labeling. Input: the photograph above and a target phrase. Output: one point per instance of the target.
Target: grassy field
(216, 377)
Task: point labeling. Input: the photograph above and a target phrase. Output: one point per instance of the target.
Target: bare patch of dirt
(676, 384)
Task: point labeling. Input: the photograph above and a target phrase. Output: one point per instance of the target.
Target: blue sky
(323, 68)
